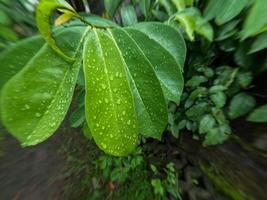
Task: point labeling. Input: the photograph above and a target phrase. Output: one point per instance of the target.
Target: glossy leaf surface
(35, 101)
(166, 68)
(166, 36)
(109, 103)
(149, 99)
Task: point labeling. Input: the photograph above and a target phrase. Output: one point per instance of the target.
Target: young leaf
(240, 105)
(163, 63)
(64, 18)
(109, 104)
(35, 100)
(258, 115)
(150, 103)
(128, 16)
(45, 10)
(17, 56)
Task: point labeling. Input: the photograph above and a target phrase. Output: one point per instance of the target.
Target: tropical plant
(128, 72)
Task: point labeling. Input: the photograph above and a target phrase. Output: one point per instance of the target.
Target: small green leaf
(109, 104)
(196, 81)
(217, 135)
(87, 132)
(77, 117)
(145, 6)
(219, 99)
(240, 105)
(64, 18)
(128, 16)
(44, 12)
(206, 124)
(258, 115)
(34, 101)
(111, 6)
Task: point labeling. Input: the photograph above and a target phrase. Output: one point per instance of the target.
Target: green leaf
(87, 132)
(192, 21)
(206, 124)
(212, 9)
(229, 10)
(44, 12)
(219, 99)
(196, 111)
(35, 100)
(77, 117)
(168, 6)
(259, 43)
(150, 103)
(258, 115)
(256, 19)
(109, 104)
(166, 36)
(128, 16)
(145, 6)
(163, 63)
(217, 135)
(227, 30)
(196, 81)
(240, 105)
(111, 6)
(17, 56)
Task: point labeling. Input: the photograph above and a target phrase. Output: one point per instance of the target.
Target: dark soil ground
(31, 173)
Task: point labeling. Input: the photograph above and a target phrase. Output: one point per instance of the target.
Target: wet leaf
(166, 68)
(109, 104)
(16, 57)
(165, 36)
(150, 102)
(35, 100)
